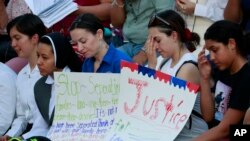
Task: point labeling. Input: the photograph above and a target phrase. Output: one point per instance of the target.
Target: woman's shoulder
(23, 71)
(188, 62)
(41, 85)
(244, 72)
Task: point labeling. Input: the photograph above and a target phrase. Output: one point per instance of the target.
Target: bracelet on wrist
(143, 49)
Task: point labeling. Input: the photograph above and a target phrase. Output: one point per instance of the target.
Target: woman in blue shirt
(87, 34)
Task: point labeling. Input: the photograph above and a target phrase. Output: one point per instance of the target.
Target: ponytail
(192, 40)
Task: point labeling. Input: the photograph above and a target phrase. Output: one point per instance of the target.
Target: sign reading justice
(153, 106)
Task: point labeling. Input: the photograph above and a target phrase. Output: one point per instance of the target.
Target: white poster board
(153, 106)
(85, 106)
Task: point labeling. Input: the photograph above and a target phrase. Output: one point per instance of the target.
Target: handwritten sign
(152, 106)
(85, 106)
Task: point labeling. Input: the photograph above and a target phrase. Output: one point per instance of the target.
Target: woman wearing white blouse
(25, 32)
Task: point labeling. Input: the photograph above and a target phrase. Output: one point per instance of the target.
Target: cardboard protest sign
(85, 106)
(153, 106)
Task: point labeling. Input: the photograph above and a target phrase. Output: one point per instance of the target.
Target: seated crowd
(153, 34)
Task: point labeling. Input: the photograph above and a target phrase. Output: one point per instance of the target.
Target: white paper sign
(152, 106)
(86, 104)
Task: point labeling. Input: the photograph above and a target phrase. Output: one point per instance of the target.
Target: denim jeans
(130, 49)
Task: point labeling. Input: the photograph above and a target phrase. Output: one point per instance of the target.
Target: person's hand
(150, 49)
(5, 138)
(140, 58)
(204, 65)
(185, 6)
(247, 117)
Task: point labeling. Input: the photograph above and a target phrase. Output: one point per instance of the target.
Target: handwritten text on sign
(85, 106)
(150, 109)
